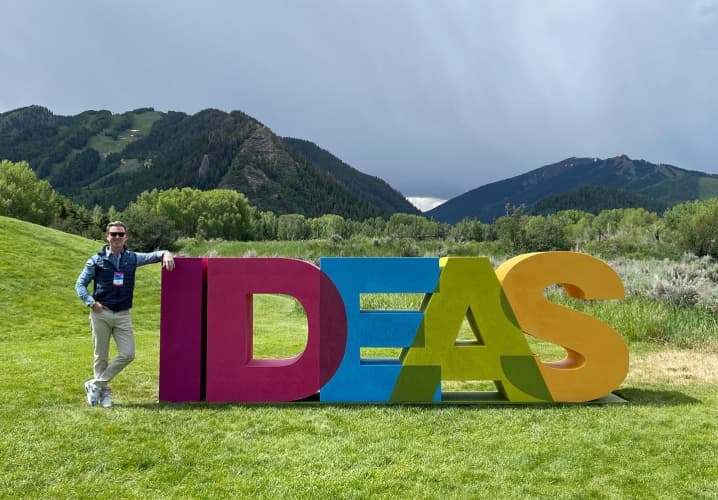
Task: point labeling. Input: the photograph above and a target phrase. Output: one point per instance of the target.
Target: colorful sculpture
(206, 330)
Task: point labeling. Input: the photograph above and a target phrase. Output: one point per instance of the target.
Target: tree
(606, 223)
(696, 225)
(264, 224)
(81, 167)
(327, 226)
(219, 213)
(518, 232)
(292, 227)
(23, 196)
(576, 225)
(76, 219)
(414, 226)
(469, 229)
(510, 229)
(182, 206)
(225, 215)
(542, 234)
(372, 227)
(149, 231)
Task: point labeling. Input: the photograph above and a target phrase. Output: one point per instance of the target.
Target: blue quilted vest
(117, 298)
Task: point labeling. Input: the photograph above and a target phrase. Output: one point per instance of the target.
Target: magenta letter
(181, 325)
(232, 373)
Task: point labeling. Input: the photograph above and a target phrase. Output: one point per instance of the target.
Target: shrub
(678, 290)
(148, 231)
(685, 283)
(696, 226)
(23, 196)
(409, 249)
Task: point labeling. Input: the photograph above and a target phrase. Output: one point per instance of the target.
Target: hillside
(663, 183)
(97, 157)
(596, 199)
(48, 308)
(374, 189)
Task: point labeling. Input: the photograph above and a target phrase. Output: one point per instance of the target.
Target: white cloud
(425, 203)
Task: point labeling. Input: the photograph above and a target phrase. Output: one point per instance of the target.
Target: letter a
(468, 287)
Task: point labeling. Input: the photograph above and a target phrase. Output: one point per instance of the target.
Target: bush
(688, 282)
(148, 232)
(292, 227)
(519, 233)
(696, 225)
(218, 213)
(469, 230)
(409, 249)
(24, 197)
(678, 290)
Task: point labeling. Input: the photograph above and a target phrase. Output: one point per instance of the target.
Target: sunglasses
(117, 235)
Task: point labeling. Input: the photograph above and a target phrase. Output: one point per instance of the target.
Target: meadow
(660, 444)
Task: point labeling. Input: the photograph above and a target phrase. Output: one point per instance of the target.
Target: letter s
(597, 357)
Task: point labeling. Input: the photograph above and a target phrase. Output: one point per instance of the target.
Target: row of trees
(158, 218)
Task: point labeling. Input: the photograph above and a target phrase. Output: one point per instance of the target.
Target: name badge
(118, 279)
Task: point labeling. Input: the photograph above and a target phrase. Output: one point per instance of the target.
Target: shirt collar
(108, 252)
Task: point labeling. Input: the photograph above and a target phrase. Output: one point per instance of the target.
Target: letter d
(232, 373)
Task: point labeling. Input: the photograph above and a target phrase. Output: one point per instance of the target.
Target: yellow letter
(597, 360)
(468, 288)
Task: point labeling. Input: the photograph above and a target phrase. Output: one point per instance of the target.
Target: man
(113, 272)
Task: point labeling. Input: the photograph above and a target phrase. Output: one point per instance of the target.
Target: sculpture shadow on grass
(652, 397)
(627, 396)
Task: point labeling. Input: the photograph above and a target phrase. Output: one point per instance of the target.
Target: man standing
(113, 272)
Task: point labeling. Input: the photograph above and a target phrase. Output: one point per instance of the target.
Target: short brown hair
(116, 223)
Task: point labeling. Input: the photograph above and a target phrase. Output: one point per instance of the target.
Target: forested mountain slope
(663, 183)
(98, 157)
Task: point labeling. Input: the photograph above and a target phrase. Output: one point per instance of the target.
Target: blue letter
(359, 380)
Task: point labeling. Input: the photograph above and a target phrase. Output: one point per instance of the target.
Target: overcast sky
(435, 97)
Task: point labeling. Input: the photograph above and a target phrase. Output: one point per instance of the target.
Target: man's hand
(168, 261)
(97, 307)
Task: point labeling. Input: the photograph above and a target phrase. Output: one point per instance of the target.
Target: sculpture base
(484, 398)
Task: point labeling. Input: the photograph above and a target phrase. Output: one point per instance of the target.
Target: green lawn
(662, 444)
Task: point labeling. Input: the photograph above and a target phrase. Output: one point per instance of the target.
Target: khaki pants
(108, 324)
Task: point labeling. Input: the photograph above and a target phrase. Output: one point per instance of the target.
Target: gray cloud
(435, 97)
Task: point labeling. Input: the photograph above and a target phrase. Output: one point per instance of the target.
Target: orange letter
(597, 360)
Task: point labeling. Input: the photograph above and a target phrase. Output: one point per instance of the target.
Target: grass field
(662, 444)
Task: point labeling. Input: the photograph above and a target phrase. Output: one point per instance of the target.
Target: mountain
(98, 157)
(374, 189)
(596, 199)
(662, 183)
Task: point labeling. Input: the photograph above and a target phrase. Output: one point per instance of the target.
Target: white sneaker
(93, 393)
(106, 398)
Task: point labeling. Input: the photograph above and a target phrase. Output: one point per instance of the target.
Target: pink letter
(232, 373)
(181, 325)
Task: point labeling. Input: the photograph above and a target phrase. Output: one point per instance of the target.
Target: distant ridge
(97, 157)
(665, 184)
(373, 189)
(596, 199)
